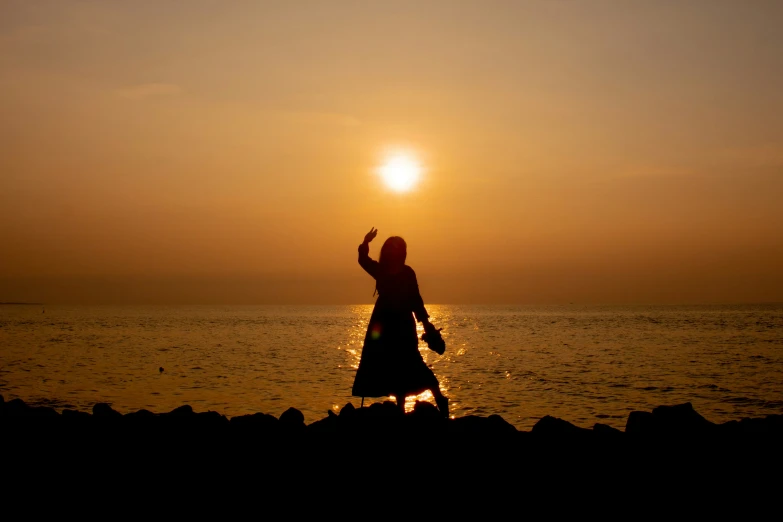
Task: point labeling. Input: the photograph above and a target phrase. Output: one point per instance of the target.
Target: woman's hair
(393, 253)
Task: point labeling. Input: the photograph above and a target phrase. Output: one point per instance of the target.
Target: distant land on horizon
(351, 286)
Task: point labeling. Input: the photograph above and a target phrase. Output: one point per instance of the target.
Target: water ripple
(583, 364)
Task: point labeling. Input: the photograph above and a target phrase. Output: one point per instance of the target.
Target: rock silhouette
(674, 422)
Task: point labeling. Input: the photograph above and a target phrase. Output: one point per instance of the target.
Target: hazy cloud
(326, 118)
(148, 90)
(765, 155)
(654, 171)
(24, 34)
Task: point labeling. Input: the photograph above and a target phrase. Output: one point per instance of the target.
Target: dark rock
(606, 431)
(140, 414)
(500, 425)
(468, 425)
(747, 428)
(292, 416)
(474, 425)
(768, 426)
(385, 410)
(377, 408)
(426, 419)
(43, 412)
(75, 414)
(103, 411)
(75, 418)
(680, 419)
(775, 424)
(378, 419)
(640, 423)
(730, 428)
(349, 418)
(292, 420)
(347, 410)
(328, 425)
(384, 419)
(550, 426)
(182, 411)
(753, 427)
(16, 408)
(771, 425)
(423, 409)
(425, 414)
(183, 418)
(211, 420)
(140, 419)
(257, 424)
(381, 418)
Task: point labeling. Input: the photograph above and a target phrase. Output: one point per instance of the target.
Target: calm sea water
(582, 364)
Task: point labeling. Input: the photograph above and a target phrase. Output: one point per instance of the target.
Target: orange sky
(224, 152)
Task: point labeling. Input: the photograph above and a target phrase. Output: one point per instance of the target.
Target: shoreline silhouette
(667, 422)
(672, 449)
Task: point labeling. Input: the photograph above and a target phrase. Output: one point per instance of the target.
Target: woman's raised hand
(371, 235)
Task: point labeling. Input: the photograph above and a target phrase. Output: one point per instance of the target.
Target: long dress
(391, 363)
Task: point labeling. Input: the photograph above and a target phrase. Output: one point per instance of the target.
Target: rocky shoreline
(671, 448)
(665, 460)
(676, 422)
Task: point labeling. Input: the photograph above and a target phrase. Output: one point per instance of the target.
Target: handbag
(434, 341)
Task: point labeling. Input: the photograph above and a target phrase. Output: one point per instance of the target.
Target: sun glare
(400, 171)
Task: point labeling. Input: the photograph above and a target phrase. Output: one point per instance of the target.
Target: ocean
(583, 364)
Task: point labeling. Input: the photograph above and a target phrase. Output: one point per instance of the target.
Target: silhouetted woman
(390, 362)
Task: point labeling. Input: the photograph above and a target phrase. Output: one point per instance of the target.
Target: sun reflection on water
(583, 364)
(440, 317)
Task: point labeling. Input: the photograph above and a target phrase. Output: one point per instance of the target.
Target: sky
(211, 152)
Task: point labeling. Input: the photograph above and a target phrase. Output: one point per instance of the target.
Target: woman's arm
(370, 265)
(418, 303)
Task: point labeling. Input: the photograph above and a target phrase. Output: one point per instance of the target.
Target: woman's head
(393, 253)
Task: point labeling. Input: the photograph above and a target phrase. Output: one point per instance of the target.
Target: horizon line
(738, 303)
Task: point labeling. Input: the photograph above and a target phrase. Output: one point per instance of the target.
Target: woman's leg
(434, 386)
(401, 401)
(441, 400)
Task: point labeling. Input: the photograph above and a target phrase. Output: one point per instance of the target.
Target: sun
(400, 171)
